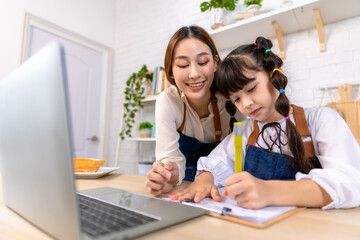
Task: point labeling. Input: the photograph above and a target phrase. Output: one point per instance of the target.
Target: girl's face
(193, 69)
(257, 98)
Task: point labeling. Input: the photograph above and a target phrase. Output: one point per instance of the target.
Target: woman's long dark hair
(259, 57)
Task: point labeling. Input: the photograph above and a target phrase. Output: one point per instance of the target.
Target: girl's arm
(220, 162)
(297, 193)
(251, 192)
(339, 155)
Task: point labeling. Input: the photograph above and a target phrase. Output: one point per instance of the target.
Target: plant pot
(253, 8)
(217, 18)
(145, 133)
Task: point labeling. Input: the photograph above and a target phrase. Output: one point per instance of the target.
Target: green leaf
(226, 4)
(133, 95)
(204, 6)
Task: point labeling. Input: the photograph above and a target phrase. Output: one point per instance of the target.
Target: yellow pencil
(238, 132)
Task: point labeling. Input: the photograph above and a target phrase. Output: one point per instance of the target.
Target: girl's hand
(247, 190)
(202, 187)
(162, 177)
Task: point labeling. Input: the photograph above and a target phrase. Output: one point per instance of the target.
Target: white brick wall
(143, 29)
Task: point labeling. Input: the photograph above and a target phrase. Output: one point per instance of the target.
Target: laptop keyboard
(100, 218)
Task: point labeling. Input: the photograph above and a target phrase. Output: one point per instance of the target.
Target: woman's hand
(202, 187)
(247, 190)
(162, 177)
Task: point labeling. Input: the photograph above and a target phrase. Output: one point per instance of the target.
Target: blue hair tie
(232, 116)
(282, 91)
(267, 50)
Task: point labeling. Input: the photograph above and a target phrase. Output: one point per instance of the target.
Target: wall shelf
(150, 98)
(149, 105)
(291, 19)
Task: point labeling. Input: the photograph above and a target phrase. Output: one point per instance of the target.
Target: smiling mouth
(196, 85)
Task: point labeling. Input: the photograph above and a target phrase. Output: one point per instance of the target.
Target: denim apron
(192, 148)
(268, 165)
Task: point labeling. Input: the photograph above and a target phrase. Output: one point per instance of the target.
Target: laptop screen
(35, 147)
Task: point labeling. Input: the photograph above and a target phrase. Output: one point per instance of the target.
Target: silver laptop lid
(33, 107)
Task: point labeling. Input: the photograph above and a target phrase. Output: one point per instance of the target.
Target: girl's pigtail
(272, 64)
(231, 109)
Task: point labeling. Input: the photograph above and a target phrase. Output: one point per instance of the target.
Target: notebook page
(258, 216)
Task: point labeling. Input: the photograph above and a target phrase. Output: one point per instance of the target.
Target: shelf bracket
(280, 38)
(320, 29)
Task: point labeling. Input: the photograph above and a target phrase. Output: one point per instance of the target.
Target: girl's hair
(195, 32)
(259, 57)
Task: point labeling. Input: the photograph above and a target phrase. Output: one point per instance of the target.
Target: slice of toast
(87, 164)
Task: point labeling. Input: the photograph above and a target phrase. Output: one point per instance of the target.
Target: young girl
(292, 156)
(190, 115)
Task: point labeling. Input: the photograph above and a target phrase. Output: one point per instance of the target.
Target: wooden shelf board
(291, 19)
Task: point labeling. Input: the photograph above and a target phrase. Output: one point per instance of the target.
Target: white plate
(101, 172)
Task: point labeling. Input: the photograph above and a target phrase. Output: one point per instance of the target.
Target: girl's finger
(224, 193)
(199, 196)
(177, 193)
(188, 195)
(214, 194)
(235, 189)
(237, 177)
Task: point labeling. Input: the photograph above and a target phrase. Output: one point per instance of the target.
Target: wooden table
(304, 225)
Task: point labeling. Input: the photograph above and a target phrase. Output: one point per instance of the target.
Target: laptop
(37, 168)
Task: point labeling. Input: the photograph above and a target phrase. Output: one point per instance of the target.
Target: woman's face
(193, 69)
(257, 98)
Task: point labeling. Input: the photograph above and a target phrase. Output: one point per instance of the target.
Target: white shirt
(169, 113)
(335, 147)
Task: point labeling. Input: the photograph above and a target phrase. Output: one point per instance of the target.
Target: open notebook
(228, 209)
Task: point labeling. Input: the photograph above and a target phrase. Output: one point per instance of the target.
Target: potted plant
(134, 94)
(217, 10)
(252, 5)
(145, 129)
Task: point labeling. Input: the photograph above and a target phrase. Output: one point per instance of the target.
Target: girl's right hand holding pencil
(249, 191)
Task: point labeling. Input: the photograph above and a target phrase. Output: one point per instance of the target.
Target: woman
(191, 118)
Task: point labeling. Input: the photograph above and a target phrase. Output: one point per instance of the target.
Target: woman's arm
(169, 114)
(169, 168)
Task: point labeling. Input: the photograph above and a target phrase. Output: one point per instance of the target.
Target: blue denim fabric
(193, 149)
(268, 165)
